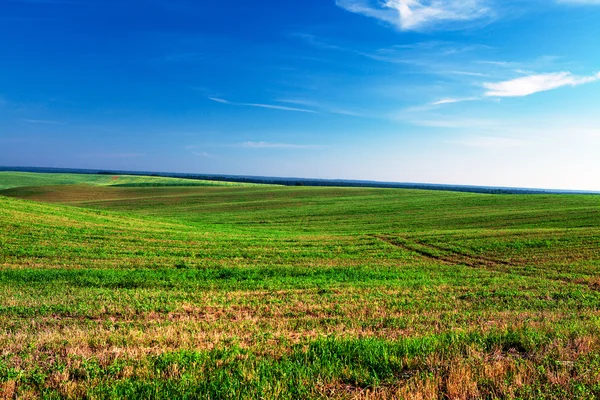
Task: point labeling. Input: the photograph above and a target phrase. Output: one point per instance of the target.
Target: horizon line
(344, 182)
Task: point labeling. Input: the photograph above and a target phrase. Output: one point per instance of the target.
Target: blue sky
(485, 92)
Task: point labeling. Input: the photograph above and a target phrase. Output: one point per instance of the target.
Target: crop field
(145, 287)
(29, 179)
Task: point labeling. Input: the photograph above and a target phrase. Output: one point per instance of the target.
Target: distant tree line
(303, 181)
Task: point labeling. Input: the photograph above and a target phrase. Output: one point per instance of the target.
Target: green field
(29, 179)
(144, 287)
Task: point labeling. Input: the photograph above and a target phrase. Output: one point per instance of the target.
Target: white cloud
(451, 100)
(467, 73)
(419, 14)
(276, 107)
(269, 106)
(531, 84)
(222, 101)
(436, 104)
(324, 108)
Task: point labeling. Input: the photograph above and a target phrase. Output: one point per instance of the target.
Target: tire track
(455, 257)
(436, 253)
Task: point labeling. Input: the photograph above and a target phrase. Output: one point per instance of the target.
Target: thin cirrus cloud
(532, 84)
(451, 100)
(521, 87)
(419, 14)
(322, 108)
(258, 105)
(438, 103)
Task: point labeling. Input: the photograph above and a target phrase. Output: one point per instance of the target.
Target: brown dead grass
(497, 375)
(474, 374)
(8, 390)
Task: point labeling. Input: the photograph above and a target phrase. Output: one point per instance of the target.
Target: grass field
(248, 291)
(24, 179)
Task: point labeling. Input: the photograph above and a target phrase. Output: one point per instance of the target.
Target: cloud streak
(451, 100)
(532, 84)
(259, 105)
(454, 60)
(419, 14)
(322, 108)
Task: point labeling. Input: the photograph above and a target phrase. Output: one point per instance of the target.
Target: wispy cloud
(419, 14)
(450, 100)
(202, 154)
(468, 73)
(222, 101)
(437, 103)
(452, 56)
(270, 145)
(532, 84)
(259, 105)
(323, 108)
(454, 60)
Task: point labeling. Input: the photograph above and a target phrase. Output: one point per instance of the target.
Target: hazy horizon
(480, 92)
(275, 178)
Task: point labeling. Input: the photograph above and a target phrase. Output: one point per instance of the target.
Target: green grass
(273, 292)
(26, 179)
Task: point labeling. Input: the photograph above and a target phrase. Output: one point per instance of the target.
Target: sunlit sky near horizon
(476, 92)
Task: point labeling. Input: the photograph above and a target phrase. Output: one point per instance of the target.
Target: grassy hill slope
(229, 292)
(22, 179)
